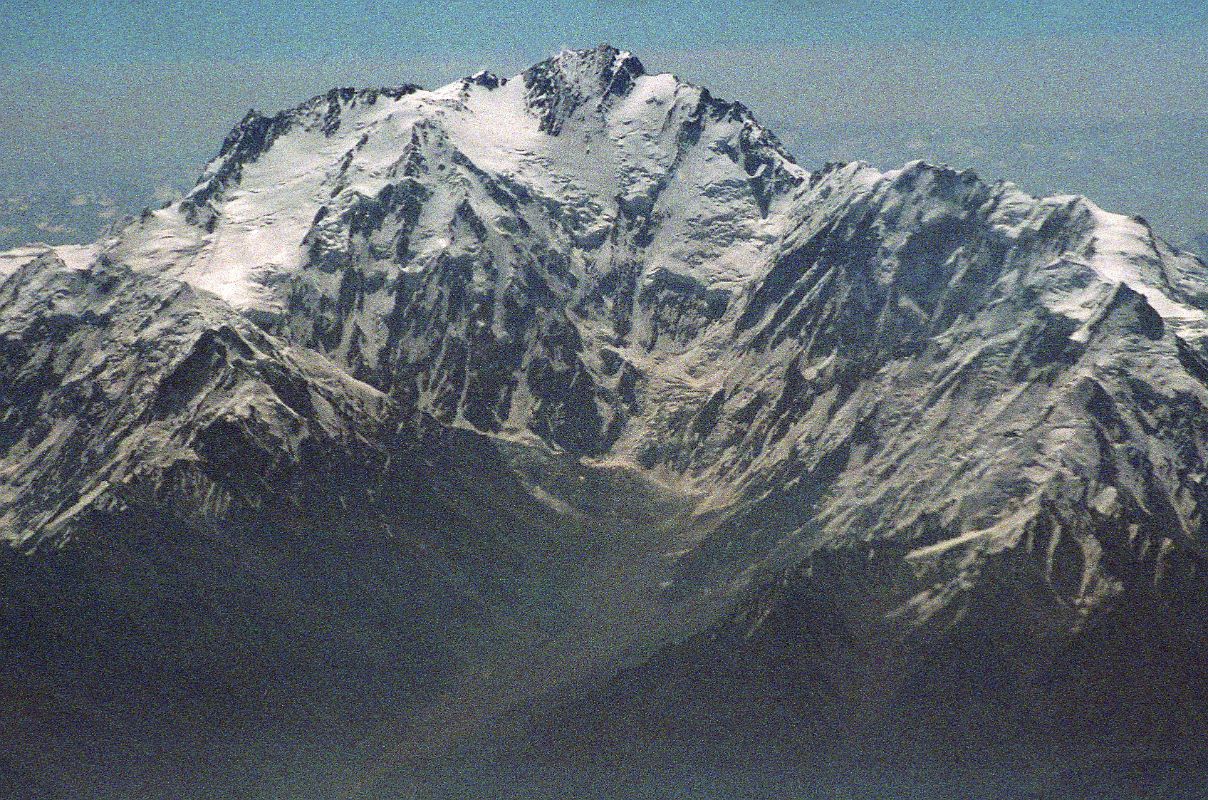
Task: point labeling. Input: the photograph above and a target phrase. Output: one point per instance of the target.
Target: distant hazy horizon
(113, 109)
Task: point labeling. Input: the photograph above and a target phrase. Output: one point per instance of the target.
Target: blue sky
(121, 31)
(126, 100)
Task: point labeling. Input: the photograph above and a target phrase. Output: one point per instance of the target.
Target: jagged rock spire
(558, 86)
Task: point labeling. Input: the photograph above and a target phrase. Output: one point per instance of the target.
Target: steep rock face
(113, 379)
(962, 433)
(220, 543)
(939, 381)
(556, 89)
(972, 470)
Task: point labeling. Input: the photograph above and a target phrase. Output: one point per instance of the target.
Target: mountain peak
(559, 85)
(600, 62)
(585, 364)
(486, 79)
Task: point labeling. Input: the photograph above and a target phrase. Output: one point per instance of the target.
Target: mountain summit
(559, 86)
(566, 417)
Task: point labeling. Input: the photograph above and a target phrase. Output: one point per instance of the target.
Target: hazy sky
(122, 99)
(199, 31)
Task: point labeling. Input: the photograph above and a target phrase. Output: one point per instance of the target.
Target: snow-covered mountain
(529, 409)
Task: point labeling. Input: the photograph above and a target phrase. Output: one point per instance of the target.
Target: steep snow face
(582, 142)
(75, 256)
(472, 250)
